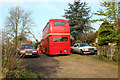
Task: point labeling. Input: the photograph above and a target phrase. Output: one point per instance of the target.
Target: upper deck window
(46, 26)
(59, 23)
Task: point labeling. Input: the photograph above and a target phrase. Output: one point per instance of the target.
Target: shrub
(11, 67)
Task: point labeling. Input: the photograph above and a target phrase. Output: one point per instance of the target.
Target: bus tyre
(46, 50)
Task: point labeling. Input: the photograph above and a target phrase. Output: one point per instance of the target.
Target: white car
(83, 48)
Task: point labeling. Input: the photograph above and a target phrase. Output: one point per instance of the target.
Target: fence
(110, 52)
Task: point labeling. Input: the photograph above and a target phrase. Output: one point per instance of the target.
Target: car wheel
(81, 52)
(71, 50)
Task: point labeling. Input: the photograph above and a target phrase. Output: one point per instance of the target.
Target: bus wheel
(72, 50)
(46, 50)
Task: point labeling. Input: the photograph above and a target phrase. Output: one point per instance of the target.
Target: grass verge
(24, 73)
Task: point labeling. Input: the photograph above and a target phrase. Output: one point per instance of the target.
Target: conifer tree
(106, 33)
(78, 18)
(110, 12)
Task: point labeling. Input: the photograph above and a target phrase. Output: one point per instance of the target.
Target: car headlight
(85, 49)
(22, 51)
(95, 49)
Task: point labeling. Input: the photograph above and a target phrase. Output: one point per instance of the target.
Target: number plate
(65, 50)
(28, 54)
(91, 51)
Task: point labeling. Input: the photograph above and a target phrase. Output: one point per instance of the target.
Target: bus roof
(57, 20)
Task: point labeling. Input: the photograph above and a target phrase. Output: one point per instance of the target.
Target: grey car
(27, 50)
(83, 48)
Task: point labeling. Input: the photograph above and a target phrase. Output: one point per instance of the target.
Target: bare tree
(18, 22)
(32, 35)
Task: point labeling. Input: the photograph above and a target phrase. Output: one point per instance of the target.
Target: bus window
(59, 23)
(60, 39)
(48, 25)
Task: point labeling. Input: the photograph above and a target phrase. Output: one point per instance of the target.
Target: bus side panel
(45, 32)
(43, 48)
(45, 45)
(49, 44)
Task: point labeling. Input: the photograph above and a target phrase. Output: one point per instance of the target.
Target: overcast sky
(43, 10)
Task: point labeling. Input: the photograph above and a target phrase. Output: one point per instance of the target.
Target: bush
(106, 34)
(108, 53)
(103, 57)
(11, 67)
(116, 54)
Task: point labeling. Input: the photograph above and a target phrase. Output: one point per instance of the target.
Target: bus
(56, 37)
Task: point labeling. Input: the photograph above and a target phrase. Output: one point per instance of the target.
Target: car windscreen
(84, 44)
(27, 46)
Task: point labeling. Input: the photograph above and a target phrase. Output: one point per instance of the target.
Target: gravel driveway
(71, 66)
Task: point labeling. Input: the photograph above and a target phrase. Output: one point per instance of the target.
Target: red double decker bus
(56, 37)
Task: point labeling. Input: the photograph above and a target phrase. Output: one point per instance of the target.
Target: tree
(22, 38)
(32, 35)
(118, 30)
(110, 12)
(106, 33)
(78, 18)
(18, 23)
(88, 37)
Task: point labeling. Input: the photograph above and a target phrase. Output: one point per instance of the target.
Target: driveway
(71, 66)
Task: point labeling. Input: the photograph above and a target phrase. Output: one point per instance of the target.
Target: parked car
(27, 50)
(83, 48)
